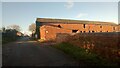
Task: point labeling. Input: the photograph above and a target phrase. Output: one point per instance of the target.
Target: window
(59, 26)
(93, 31)
(83, 25)
(84, 31)
(46, 31)
(100, 26)
(80, 31)
(113, 28)
(74, 31)
(107, 31)
(100, 31)
(89, 31)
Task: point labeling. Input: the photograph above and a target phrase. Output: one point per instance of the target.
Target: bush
(9, 35)
(106, 45)
(81, 55)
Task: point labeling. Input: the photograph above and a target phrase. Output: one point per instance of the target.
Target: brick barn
(47, 28)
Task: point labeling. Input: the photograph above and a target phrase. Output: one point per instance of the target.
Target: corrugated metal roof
(51, 20)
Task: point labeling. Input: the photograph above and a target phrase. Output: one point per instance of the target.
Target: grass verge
(82, 56)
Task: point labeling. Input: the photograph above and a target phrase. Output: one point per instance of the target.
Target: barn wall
(48, 31)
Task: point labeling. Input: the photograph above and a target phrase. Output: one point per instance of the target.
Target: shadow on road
(25, 52)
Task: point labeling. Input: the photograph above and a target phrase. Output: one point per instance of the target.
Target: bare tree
(32, 27)
(0, 29)
(3, 29)
(16, 27)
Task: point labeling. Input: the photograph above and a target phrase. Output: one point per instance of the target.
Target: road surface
(25, 52)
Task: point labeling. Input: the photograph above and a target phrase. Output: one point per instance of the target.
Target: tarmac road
(25, 52)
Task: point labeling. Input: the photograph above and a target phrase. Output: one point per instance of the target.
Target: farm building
(47, 28)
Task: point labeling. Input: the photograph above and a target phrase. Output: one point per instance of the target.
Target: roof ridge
(70, 20)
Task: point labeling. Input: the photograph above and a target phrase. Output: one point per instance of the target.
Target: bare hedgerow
(105, 45)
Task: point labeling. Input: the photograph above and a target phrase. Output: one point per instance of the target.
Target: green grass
(81, 55)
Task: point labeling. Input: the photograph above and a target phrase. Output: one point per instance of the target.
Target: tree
(0, 29)
(14, 27)
(9, 35)
(32, 27)
(3, 29)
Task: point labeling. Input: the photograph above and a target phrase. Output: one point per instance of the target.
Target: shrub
(106, 45)
(81, 55)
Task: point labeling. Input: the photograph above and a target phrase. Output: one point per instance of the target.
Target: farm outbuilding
(48, 28)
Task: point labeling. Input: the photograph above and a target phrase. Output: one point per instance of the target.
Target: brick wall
(42, 32)
(62, 37)
(49, 30)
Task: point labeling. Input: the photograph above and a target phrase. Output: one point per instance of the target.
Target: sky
(59, 0)
(25, 13)
(0, 14)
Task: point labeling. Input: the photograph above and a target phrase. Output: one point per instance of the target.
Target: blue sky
(0, 14)
(25, 13)
(59, 0)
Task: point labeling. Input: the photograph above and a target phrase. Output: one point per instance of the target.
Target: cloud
(81, 15)
(69, 4)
